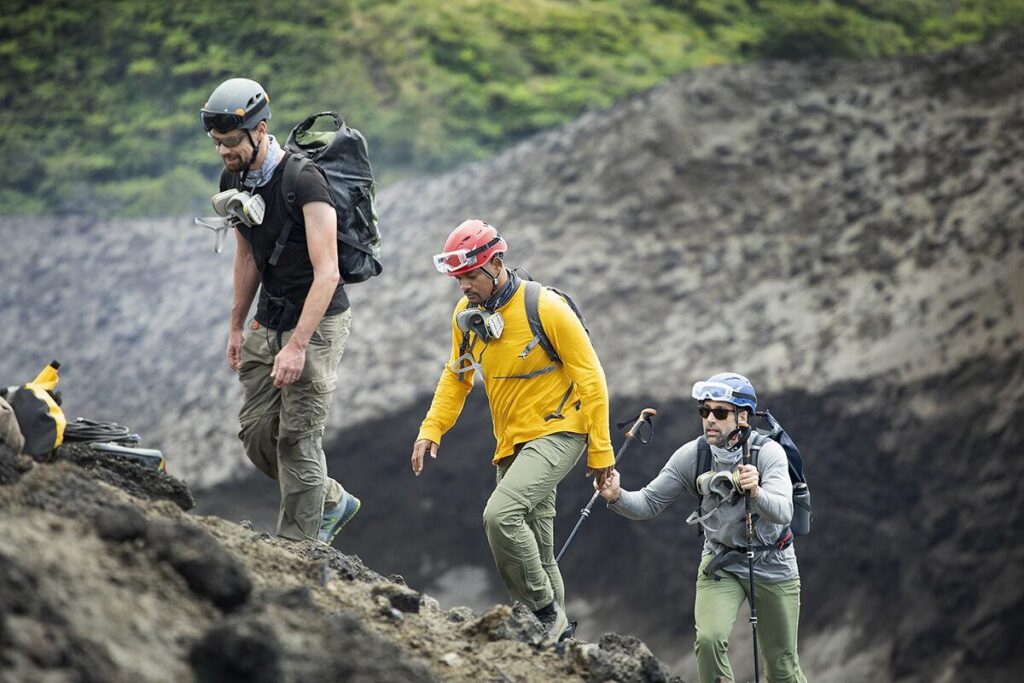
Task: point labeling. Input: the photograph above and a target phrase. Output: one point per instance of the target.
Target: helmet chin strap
(494, 280)
(255, 153)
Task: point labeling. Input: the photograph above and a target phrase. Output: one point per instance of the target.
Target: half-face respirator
(233, 208)
(486, 325)
(721, 487)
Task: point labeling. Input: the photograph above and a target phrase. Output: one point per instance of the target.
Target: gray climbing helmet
(236, 103)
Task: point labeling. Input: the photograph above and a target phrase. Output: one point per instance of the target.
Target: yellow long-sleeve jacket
(519, 406)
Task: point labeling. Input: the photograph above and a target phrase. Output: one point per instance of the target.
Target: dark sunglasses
(719, 413)
(229, 142)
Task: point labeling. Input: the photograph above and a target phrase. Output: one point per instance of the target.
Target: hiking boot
(336, 519)
(554, 621)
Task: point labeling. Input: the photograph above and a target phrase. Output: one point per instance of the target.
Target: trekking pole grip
(646, 415)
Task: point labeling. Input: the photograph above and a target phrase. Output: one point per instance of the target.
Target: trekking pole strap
(646, 416)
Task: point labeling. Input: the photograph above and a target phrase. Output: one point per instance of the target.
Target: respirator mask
(486, 325)
(721, 487)
(234, 208)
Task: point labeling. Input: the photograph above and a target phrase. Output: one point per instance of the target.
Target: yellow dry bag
(37, 407)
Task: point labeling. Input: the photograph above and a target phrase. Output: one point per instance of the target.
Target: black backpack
(341, 155)
(800, 525)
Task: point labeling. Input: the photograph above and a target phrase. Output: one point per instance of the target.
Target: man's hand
(610, 489)
(747, 479)
(234, 350)
(288, 364)
(419, 449)
(600, 475)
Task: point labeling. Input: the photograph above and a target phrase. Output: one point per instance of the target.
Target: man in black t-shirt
(288, 360)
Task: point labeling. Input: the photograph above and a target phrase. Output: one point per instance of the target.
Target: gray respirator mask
(487, 326)
(234, 208)
(721, 487)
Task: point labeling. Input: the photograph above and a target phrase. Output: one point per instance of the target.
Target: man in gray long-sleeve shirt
(722, 579)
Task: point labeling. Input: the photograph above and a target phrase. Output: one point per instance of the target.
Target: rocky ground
(106, 576)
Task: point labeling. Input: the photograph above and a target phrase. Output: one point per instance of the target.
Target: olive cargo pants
(778, 614)
(282, 429)
(520, 517)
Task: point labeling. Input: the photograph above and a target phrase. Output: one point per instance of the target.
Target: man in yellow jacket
(546, 410)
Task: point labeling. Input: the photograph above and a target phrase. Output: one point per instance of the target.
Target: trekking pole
(646, 416)
(744, 430)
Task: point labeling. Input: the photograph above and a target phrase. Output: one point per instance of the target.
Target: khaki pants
(282, 429)
(778, 615)
(520, 517)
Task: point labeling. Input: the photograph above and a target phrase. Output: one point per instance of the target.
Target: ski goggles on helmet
(718, 391)
(452, 261)
(223, 121)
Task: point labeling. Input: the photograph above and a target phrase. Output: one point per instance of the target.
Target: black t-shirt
(285, 285)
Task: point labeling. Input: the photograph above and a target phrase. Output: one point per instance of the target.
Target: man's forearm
(317, 300)
(247, 281)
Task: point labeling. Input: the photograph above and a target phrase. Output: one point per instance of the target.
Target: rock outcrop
(108, 583)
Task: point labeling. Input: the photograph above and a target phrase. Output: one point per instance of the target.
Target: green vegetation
(99, 100)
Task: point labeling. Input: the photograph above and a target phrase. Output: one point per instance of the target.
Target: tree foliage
(99, 101)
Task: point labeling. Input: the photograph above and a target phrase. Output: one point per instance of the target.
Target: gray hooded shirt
(772, 509)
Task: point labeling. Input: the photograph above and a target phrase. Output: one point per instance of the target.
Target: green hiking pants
(778, 613)
(282, 429)
(520, 517)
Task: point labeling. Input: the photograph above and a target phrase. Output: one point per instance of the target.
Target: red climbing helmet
(470, 246)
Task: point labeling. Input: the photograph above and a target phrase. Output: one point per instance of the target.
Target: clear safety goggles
(718, 391)
(451, 261)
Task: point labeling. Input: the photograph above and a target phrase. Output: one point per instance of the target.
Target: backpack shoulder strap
(703, 465)
(531, 297)
(293, 166)
(703, 459)
(757, 442)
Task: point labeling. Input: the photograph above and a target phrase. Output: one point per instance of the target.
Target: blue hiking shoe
(335, 520)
